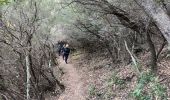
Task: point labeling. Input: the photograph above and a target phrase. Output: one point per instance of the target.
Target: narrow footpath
(73, 83)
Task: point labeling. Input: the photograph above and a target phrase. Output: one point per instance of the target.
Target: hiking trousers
(65, 57)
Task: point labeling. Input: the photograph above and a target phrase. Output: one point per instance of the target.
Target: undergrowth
(149, 88)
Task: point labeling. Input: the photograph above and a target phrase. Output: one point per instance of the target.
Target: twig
(133, 58)
(4, 96)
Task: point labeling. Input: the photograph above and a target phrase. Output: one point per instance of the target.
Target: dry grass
(97, 70)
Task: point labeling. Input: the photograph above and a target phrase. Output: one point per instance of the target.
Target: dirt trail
(73, 82)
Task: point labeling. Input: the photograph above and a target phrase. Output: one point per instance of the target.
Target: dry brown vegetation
(27, 55)
(100, 74)
(121, 48)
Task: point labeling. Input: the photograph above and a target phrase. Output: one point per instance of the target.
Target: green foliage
(115, 80)
(92, 90)
(109, 94)
(148, 88)
(4, 2)
(159, 1)
(146, 77)
(159, 90)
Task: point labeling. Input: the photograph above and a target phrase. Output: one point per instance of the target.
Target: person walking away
(62, 50)
(60, 45)
(66, 53)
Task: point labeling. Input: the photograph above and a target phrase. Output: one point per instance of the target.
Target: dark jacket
(66, 51)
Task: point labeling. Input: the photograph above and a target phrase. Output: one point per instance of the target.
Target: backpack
(66, 51)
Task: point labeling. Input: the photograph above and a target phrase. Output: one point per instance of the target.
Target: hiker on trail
(66, 53)
(60, 46)
(62, 50)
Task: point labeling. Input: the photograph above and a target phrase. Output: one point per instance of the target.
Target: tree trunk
(28, 77)
(161, 48)
(153, 58)
(158, 15)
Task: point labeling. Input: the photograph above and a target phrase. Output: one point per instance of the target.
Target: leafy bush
(115, 80)
(92, 90)
(148, 88)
